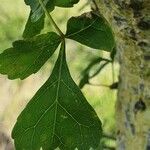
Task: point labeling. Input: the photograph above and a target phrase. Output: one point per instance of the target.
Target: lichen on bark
(130, 22)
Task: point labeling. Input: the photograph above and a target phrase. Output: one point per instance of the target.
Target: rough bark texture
(130, 21)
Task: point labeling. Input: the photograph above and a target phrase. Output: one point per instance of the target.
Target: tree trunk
(130, 21)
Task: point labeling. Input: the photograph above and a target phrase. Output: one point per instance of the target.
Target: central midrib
(58, 87)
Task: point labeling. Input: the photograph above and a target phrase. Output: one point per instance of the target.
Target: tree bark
(130, 22)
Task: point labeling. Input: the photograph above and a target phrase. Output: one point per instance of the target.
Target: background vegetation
(15, 94)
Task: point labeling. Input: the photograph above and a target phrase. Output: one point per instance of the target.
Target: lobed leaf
(58, 116)
(91, 30)
(28, 56)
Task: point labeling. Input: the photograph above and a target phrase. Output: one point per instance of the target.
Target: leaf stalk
(51, 19)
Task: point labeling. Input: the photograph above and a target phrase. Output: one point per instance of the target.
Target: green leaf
(66, 3)
(33, 28)
(91, 30)
(37, 10)
(36, 18)
(28, 56)
(50, 5)
(58, 116)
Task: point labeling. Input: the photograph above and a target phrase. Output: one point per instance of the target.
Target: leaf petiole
(51, 20)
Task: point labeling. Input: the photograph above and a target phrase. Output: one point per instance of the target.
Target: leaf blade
(61, 109)
(36, 18)
(92, 30)
(37, 10)
(28, 56)
(50, 6)
(33, 28)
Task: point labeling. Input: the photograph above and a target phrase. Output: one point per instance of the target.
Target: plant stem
(51, 19)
